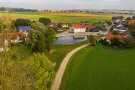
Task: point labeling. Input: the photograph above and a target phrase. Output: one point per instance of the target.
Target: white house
(79, 28)
(64, 25)
(121, 29)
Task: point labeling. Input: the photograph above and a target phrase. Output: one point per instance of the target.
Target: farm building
(6, 11)
(79, 28)
(64, 25)
(60, 29)
(89, 27)
(121, 37)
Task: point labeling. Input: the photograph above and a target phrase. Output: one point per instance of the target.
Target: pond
(70, 39)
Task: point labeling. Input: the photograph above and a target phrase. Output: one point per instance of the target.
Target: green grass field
(100, 69)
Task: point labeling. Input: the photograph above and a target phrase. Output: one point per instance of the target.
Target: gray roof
(120, 28)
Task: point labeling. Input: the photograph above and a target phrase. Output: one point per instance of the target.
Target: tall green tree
(45, 21)
(40, 37)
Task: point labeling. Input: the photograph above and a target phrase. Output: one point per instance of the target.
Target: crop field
(96, 68)
(61, 17)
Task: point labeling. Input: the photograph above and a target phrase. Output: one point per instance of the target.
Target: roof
(20, 32)
(60, 29)
(53, 24)
(24, 28)
(64, 24)
(126, 33)
(90, 26)
(79, 26)
(120, 28)
(111, 36)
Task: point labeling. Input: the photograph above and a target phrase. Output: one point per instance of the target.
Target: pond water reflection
(70, 39)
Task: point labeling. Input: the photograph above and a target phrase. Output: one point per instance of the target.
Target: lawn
(100, 69)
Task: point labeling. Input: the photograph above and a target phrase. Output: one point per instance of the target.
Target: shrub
(45, 21)
(129, 42)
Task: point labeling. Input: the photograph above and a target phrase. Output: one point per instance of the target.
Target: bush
(92, 39)
(22, 22)
(45, 21)
(116, 32)
(115, 42)
(129, 42)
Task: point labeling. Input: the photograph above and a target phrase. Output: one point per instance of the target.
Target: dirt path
(59, 75)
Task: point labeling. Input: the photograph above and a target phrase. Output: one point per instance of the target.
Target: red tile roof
(90, 26)
(64, 24)
(126, 33)
(20, 32)
(111, 36)
(60, 29)
(121, 37)
(79, 26)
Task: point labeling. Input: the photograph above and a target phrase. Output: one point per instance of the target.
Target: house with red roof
(60, 29)
(65, 25)
(79, 28)
(89, 27)
(121, 37)
(105, 24)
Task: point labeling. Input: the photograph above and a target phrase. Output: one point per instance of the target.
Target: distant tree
(92, 39)
(129, 42)
(133, 17)
(129, 18)
(120, 17)
(45, 21)
(59, 25)
(42, 70)
(114, 18)
(116, 32)
(2, 8)
(115, 42)
(109, 22)
(22, 22)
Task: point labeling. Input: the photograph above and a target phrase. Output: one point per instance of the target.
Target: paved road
(59, 75)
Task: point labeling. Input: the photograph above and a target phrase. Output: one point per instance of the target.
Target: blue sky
(70, 4)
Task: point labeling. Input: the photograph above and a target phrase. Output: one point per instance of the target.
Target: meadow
(96, 68)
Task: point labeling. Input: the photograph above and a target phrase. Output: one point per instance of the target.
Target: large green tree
(40, 37)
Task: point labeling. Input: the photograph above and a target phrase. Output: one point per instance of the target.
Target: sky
(69, 4)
